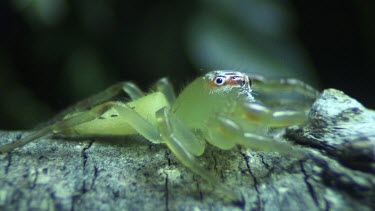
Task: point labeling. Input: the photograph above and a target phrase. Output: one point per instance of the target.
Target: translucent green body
(198, 102)
(218, 107)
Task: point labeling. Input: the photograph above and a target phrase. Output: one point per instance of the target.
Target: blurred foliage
(56, 52)
(251, 36)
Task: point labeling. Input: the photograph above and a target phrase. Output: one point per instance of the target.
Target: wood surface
(129, 173)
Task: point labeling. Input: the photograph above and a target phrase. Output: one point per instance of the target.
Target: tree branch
(129, 173)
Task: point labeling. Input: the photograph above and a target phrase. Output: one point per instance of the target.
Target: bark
(55, 173)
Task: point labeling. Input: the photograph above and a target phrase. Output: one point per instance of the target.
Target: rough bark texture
(130, 174)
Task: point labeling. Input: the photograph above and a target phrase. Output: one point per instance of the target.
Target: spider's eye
(219, 81)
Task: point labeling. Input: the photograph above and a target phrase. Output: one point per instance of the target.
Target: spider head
(223, 82)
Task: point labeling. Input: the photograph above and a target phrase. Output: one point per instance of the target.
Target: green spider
(219, 107)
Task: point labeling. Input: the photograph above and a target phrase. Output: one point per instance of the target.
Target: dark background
(53, 53)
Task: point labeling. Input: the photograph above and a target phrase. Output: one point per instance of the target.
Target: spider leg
(257, 113)
(282, 92)
(164, 86)
(185, 145)
(132, 90)
(138, 123)
(57, 127)
(247, 125)
(176, 133)
(284, 85)
(225, 133)
(129, 88)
